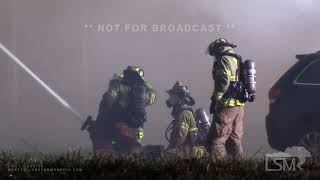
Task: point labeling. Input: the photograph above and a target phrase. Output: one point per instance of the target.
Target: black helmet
(218, 45)
(134, 69)
(133, 74)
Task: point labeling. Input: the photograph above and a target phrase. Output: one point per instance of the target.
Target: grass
(77, 165)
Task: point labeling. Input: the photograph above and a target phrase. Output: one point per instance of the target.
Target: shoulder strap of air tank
(240, 62)
(237, 56)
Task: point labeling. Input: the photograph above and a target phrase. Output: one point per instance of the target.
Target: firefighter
(226, 106)
(183, 137)
(122, 114)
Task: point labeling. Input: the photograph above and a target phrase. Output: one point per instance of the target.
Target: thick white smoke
(50, 37)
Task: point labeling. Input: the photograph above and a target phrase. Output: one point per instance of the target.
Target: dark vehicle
(294, 116)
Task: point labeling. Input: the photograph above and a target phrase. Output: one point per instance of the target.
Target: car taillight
(273, 94)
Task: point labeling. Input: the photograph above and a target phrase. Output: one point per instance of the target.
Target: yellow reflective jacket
(119, 92)
(225, 71)
(117, 97)
(183, 125)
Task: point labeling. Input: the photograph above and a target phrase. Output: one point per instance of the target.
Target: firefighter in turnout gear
(183, 138)
(122, 114)
(225, 134)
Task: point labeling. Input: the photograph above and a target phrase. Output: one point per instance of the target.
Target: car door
(307, 91)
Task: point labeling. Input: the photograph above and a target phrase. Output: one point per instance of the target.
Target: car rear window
(290, 74)
(310, 75)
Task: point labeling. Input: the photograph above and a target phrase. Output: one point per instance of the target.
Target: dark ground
(77, 165)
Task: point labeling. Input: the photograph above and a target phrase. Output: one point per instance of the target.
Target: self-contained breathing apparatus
(134, 114)
(244, 89)
(136, 110)
(198, 137)
(203, 124)
(137, 106)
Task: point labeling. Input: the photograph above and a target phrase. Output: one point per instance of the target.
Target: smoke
(77, 62)
(49, 90)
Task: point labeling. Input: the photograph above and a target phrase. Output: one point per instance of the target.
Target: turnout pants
(225, 134)
(119, 139)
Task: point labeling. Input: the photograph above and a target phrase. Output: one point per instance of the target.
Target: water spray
(55, 95)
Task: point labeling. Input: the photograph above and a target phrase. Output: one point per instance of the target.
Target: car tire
(311, 141)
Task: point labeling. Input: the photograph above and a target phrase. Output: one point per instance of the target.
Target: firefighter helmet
(182, 91)
(134, 72)
(218, 46)
(179, 89)
(136, 69)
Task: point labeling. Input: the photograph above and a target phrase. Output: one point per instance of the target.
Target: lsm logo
(290, 160)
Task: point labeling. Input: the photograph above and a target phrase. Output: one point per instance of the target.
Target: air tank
(137, 105)
(249, 76)
(202, 120)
